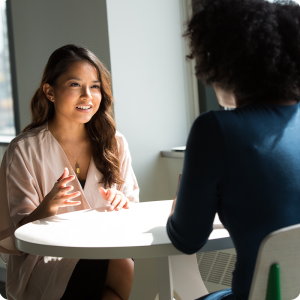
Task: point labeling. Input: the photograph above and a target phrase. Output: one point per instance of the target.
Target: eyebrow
(76, 78)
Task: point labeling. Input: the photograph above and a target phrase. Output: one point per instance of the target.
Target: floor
(2, 289)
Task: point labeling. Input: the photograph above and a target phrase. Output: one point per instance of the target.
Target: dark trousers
(87, 280)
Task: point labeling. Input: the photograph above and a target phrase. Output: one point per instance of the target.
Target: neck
(67, 131)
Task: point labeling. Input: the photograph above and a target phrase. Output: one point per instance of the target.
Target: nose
(86, 94)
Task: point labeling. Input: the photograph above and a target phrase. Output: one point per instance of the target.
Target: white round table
(139, 233)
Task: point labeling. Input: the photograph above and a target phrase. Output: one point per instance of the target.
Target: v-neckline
(70, 167)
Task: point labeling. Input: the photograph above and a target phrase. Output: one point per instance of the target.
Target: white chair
(280, 253)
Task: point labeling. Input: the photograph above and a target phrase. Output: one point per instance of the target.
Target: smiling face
(76, 95)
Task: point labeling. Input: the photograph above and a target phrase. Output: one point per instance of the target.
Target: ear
(48, 91)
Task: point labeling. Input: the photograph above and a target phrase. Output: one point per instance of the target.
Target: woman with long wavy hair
(69, 158)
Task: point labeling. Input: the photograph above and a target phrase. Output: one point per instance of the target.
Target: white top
(138, 232)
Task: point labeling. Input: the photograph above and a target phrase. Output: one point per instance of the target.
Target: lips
(84, 107)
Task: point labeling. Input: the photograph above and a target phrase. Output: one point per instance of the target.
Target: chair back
(281, 247)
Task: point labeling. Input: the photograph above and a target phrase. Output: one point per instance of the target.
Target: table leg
(158, 278)
(187, 281)
(145, 283)
(165, 281)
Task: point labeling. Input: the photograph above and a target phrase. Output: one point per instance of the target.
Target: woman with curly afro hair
(243, 164)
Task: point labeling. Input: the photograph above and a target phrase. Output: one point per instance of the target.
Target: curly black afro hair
(251, 47)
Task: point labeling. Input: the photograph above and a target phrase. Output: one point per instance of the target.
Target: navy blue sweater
(244, 165)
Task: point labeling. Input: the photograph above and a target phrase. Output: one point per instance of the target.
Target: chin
(82, 120)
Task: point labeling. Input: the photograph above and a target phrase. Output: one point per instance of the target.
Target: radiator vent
(219, 267)
(230, 268)
(216, 267)
(205, 261)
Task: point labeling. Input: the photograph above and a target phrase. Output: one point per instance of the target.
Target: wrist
(47, 210)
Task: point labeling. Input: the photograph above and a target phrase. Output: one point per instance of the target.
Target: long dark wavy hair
(251, 47)
(101, 129)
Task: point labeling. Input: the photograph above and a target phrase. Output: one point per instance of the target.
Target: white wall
(41, 26)
(149, 68)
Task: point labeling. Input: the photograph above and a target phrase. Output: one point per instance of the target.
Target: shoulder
(207, 134)
(216, 118)
(224, 120)
(207, 123)
(28, 140)
(35, 133)
(122, 143)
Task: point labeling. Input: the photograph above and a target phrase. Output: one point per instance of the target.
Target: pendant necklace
(77, 167)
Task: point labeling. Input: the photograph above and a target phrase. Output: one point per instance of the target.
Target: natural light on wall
(7, 126)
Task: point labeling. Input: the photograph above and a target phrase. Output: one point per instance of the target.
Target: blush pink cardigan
(31, 165)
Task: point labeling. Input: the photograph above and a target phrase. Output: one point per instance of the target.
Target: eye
(96, 86)
(74, 84)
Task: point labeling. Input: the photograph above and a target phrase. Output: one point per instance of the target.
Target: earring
(51, 98)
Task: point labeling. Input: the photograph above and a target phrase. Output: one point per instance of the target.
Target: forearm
(42, 211)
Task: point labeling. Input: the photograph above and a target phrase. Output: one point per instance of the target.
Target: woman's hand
(114, 198)
(55, 199)
(58, 196)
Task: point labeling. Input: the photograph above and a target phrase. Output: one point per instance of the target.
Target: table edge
(149, 251)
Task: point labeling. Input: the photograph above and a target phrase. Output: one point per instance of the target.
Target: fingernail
(112, 207)
(108, 202)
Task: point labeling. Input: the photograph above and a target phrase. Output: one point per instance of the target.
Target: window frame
(5, 139)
